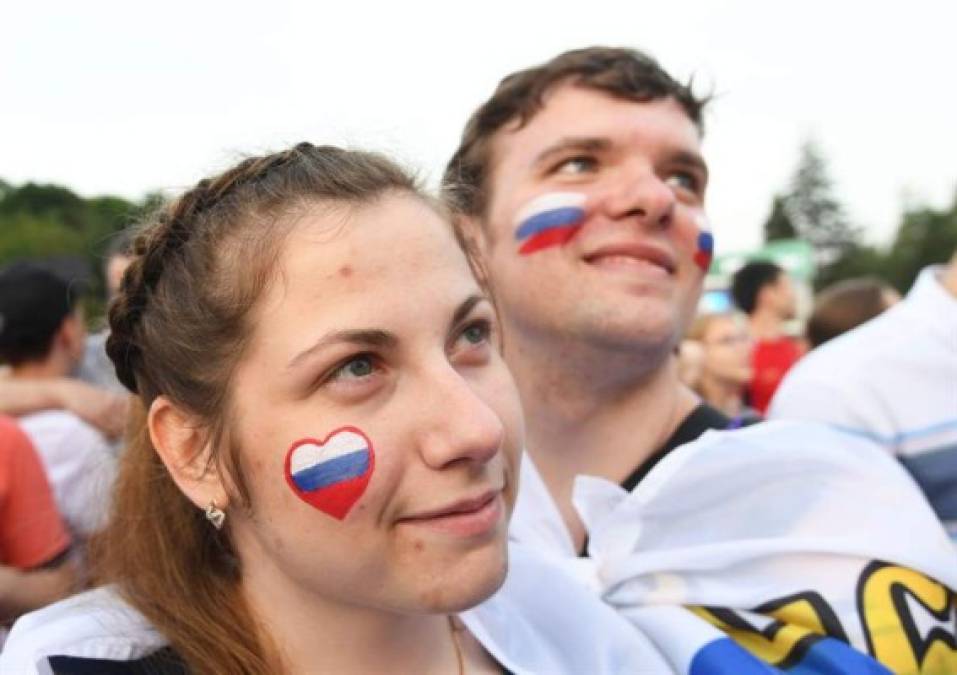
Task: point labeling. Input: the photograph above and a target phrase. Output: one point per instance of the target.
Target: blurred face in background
(726, 350)
(782, 297)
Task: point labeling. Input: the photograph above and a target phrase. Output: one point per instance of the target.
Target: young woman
(327, 453)
(724, 347)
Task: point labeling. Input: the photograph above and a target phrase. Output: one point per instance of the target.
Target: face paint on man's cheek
(331, 475)
(704, 251)
(551, 219)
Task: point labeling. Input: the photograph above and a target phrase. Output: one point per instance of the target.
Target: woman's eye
(355, 368)
(577, 165)
(475, 335)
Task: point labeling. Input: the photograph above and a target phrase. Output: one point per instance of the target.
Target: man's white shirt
(80, 466)
(894, 381)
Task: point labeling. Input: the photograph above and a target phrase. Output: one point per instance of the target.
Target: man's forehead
(573, 111)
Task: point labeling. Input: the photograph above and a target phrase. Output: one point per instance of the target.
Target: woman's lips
(466, 518)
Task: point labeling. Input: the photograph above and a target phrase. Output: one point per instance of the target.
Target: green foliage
(809, 210)
(779, 224)
(43, 221)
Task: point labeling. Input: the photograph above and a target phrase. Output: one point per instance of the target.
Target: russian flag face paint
(549, 220)
(705, 245)
(331, 475)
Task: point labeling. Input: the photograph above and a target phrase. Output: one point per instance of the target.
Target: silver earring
(215, 515)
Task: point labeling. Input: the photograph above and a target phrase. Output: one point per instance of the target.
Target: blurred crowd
(735, 360)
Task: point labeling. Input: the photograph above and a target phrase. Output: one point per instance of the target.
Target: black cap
(33, 304)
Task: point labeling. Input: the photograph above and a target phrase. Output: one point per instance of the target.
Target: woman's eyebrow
(463, 309)
(370, 337)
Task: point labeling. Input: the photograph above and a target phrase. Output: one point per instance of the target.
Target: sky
(111, 97)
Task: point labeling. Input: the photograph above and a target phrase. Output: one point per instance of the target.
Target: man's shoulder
(96, 624)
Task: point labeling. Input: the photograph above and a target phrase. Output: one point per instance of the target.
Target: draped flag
(781, 548)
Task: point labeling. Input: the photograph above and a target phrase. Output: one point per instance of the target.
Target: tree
(778, 224)
(816, 213)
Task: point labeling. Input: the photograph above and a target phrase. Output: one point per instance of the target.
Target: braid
(162, 239)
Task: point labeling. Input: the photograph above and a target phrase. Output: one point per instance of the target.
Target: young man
(581, 185)
(591, 326)
(35, 568)
(42, 338)
(764, 292)
(894, 380)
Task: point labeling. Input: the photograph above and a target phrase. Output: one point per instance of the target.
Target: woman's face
(379, 430)
(727, 350)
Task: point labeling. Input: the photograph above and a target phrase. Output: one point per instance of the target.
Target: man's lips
(625, 253)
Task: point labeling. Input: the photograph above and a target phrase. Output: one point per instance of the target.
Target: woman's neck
(723, 395)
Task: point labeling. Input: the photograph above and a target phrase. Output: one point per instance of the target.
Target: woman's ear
(184, 448)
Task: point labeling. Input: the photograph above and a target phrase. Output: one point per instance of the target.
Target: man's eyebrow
(692, 160)
(572, 144)
(371, 337)
(464, 309)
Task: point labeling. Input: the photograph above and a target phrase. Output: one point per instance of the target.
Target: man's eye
(355, 368)
(576, 165)
(684, 181)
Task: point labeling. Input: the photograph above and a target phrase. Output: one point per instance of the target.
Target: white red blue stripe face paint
(705, 245)
(551, 219)
(332, 474)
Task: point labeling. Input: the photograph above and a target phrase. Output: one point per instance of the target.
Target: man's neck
(766, 325)
(948, 277)
(595, 413)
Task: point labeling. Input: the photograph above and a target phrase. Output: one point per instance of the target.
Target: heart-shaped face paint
(331, 475)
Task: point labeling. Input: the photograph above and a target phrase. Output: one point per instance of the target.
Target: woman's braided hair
(178, 327)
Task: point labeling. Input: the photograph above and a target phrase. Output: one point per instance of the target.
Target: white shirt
(893, 380)
(80, 466)
(538, 622)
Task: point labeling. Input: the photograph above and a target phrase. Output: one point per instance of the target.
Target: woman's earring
(215, 515)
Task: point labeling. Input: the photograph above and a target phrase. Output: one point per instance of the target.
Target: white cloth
(538, 622)
(894, 380)
(79, 464)
(788, 531)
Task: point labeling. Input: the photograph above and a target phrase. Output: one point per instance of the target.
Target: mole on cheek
(345, 271)
(418, 545)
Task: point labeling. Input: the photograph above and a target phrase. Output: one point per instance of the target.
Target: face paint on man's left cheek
(548, 220)
(704, 251)
(332, 474)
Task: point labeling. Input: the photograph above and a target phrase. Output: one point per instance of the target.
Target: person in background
(847, 304)
(35, 567)
(764, 291)
(42, 337)
(725, 372)
(893, 380)
(96, 367)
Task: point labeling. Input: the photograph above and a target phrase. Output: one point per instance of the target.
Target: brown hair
(623, 73)
(178, 328)
(846, 305)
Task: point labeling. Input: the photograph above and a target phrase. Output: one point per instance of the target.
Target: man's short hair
(750, 279)
(623, 73)
(33, 304)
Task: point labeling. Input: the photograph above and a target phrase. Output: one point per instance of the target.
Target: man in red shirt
(764, 292)
(34, 545)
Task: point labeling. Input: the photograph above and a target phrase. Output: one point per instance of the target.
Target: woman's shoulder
(546, 619)
(95, 630)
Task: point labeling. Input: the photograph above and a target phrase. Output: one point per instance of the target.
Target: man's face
(784, 297)
(594, 227)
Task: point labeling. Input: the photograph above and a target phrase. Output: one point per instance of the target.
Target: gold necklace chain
(458, 647)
